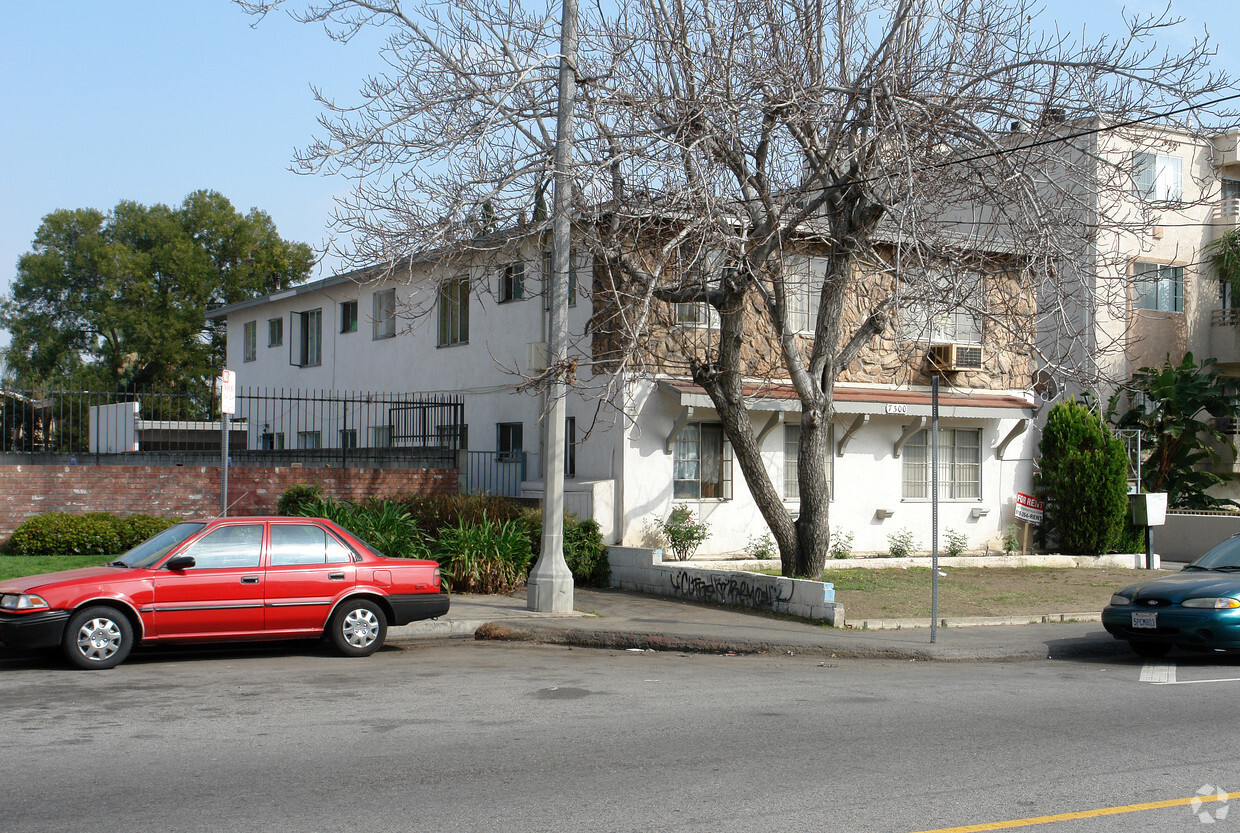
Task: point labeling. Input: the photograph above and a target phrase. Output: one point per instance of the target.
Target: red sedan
(225, 579)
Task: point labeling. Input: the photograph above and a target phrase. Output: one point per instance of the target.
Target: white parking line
(1161, 673)
(1192, 682)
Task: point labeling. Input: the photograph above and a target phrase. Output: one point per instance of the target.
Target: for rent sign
(1028, 508)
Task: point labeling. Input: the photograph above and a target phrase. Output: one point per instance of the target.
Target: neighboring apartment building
(475, 331)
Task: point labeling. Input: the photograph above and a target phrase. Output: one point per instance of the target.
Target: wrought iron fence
(270, 427)
(495, 472)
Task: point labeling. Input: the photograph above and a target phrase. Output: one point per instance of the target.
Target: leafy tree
(1173, 405)
(1083, 479)
(1225, 255)
(938, 159)
(119, 299)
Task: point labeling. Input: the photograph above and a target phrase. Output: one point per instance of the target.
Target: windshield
(1226, 554)
(156, 547)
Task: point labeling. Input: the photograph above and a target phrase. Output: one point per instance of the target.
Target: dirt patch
(978, 591)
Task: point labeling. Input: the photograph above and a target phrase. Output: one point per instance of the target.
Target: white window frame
(1157, 177)
(275, 332)
(309, 439)
(249, 341)
(309, 341)
(348, 316)
(960, 465)
(509, 441)
(1157, 287)
(689, 480)
(803, 279)
(511, 283)
(948, 314)
(383, 313)
(453, 316)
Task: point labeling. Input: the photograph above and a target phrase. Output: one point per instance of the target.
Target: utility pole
(550, 586)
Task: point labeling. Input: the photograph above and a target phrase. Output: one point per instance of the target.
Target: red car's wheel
(358, 628)
(97, 638)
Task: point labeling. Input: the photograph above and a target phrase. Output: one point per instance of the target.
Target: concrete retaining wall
(1184, 537)
(643, 570)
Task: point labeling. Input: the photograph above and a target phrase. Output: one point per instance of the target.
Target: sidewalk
(621, 620)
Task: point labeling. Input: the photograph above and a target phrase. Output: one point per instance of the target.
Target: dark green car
(1196, 609)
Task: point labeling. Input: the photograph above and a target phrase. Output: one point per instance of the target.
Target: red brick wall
(191, 491)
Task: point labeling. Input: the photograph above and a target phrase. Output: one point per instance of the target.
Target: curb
(972, 621)
(626, 640)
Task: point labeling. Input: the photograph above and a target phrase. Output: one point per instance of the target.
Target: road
(464, 736)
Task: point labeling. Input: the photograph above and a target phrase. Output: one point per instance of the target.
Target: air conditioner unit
(952, 357)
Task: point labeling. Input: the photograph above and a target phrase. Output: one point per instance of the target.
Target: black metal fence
(270, 427)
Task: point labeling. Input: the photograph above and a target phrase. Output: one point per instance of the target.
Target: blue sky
(149, 100)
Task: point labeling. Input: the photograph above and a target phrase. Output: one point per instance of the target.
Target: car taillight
(435, 578)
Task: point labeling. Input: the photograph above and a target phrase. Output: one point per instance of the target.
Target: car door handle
(335, 576)
(249, 579)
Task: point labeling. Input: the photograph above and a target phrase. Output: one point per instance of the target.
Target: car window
(235, 545)
(157, 546)
(296, 543)
(1226, 554)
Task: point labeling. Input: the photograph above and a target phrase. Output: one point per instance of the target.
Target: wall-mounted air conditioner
(953, 357)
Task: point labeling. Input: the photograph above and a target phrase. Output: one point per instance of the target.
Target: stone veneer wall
(191, 491)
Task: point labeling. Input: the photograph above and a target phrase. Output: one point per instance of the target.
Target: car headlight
(1214, 602)
(1117, 600)
(22, 601)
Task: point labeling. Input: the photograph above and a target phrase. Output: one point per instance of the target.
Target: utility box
(1149, 509)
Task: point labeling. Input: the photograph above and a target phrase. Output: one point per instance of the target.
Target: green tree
(1225, 255)
(1083, 479)
(1172, 406)
(119, 299)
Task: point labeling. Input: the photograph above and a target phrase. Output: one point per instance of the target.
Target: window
(454, 312)
(310, 338)
(1158, 286)
(803, 277)
(509, 441)
(235, 546)
(701, 462)
(512, 283)
(960, 464)
(548, 270)
(275, 332)
(1156, 177)
(269, 441)
(380, 436)
(348, 316)
(384, 314)
(792, 452)
(946, 310)
(570, 447)
(249, 341)
(697, 314)
(294, 543)
(348, 438)
(309, 439)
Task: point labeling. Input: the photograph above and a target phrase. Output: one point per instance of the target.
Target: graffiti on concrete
(758, 592)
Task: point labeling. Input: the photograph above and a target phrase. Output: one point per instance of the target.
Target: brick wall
(191, 491)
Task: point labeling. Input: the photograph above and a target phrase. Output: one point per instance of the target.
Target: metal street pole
(550, 586)
(934, 508)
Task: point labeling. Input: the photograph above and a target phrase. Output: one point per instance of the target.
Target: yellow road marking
(1083, 814)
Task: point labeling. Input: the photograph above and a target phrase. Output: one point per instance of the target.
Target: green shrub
(684, 534)
(384, 524)
(1011, 539)
(134, 529)
(298, 497)
(483, 557)
(433, 513)
(585, 553)
(60, 533)
(901, 544)
(841, 543)
(957, 543)
(763, 549)
(1084, 479)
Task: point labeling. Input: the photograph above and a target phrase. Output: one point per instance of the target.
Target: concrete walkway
(621, 620)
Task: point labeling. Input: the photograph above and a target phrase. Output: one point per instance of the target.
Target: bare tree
(937, 159)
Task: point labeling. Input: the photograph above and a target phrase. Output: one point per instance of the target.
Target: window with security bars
(960, 464)
(792, 451)
(702, 462)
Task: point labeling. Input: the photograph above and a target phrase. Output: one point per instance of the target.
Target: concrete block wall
(643, 570)
(191, 491)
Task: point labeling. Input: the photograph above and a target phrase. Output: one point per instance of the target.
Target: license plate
(1145, 620)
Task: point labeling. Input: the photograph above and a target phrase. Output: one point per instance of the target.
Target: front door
(222, 594)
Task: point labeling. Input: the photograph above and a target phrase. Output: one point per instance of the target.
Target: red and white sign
(1028, 508)
(228, 392)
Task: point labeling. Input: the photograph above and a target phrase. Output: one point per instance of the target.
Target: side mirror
(180, 562)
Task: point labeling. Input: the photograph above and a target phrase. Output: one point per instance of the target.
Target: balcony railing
(1225, 317)
(1227, 212)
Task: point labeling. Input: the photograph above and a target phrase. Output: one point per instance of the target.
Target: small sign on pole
(228, 407)
(228, 392)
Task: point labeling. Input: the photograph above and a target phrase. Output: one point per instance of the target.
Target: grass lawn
(978, 591)
(15, 566)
